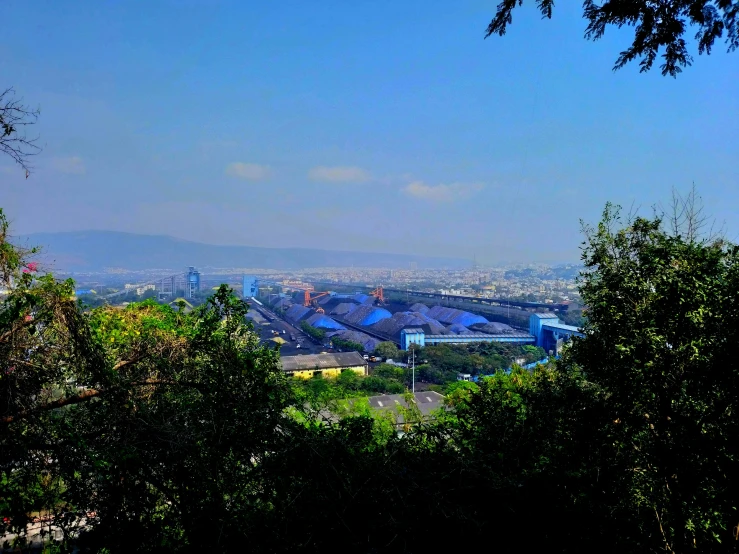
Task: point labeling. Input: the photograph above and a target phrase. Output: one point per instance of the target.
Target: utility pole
(413, 371)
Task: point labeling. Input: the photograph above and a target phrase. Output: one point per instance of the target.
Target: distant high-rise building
(192, 284)
(251, 289)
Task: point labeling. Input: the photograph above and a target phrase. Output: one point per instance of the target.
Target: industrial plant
(368, 319)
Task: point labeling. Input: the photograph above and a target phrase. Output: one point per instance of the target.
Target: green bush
(318, 334)
(347, 345)
(373, 384)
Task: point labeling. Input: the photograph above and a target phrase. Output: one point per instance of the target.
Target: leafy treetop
(660, 26)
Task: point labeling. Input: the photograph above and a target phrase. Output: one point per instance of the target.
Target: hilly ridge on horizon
(97, 250)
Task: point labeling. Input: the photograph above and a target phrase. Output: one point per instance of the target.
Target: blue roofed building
(550, 333)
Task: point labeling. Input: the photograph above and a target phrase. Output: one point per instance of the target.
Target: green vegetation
(387, 350)
(181, 433)
(349, 384)
(573, 317)
(442, 363)
(318, 334)
(347, 345)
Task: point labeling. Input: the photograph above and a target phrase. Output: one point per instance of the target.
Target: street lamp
(413, 368)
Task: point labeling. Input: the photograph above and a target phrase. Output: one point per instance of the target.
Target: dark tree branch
(84, 396)
(14, 119)
(89, 394)
(659, 27)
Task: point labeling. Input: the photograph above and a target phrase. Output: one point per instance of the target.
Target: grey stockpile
(296, 312)
(283, 303)
(453, 315)
(401, 320)
(458, 329)
(343, 309)
(369, 343)
(493, 328)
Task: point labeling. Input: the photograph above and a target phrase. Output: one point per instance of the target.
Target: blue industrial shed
(550, 332)
(545, 330)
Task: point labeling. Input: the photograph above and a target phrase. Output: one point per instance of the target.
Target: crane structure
(309, 300)
(377, 293)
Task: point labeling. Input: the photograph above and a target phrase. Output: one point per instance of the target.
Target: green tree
(573, 317)
(387, 350)
(124, 412)
(318, 334)
(347, 344)
(660, 27)
(349, 380)
(380, 385)
(460, 392)
(660, 349)
(389, 372)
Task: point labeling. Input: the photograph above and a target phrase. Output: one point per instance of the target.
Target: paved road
(265, 327)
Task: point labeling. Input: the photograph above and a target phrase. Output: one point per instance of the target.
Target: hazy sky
(383, 125)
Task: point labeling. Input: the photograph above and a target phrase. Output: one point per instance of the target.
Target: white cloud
(441, 193)
(248, 171)
(339, 174)
(72, 165)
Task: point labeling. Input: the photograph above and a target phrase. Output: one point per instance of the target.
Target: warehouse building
(324, 365)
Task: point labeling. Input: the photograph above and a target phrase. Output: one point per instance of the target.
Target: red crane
(309, 301)
(377, 293)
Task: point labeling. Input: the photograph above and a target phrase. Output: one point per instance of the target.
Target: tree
(348, 345)
(389, 372)
(387, 350)
(459, 392)
(660, 27)
(314, 332)
(152, 418)
(660, 354)
(14, 119)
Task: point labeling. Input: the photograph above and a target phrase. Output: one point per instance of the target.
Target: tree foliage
(659, 27)
(314, 332)
(150, 418)
(387, 350)
(178, 432)
(348, 345)
(661, 348)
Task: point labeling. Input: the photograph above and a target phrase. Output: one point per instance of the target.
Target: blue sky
(375, 126)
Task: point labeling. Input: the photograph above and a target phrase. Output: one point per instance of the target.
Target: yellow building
(325, 365)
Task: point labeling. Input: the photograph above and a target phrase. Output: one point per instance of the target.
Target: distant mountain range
(97, 250)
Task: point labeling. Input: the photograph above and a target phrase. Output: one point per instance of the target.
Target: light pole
(413, 370)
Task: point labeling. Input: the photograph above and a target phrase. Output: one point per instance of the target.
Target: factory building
(550, 333)
(545, 330)
(192, 282)
(324, 365)
(251, 287)
(419, 337)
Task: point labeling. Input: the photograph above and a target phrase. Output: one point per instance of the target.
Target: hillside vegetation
(151, 429)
